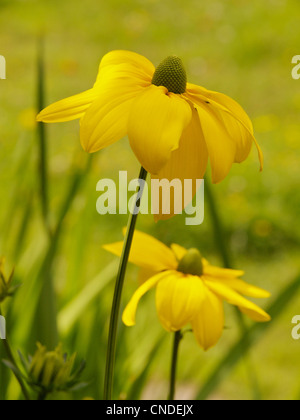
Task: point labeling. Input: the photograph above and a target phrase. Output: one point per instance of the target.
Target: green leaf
(139, 384)
(73, 310)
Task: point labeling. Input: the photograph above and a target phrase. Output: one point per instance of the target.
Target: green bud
(191, 263)
(171, 74)
(50, 371)
(6, 289)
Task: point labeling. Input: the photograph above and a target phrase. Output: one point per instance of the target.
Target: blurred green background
(240, 48)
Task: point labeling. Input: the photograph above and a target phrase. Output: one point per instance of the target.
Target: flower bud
(6, 289)
(51, 371)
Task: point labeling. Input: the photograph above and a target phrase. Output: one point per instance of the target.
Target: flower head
(50, 371)
(6, 288)
(173, 126)
(188, 289)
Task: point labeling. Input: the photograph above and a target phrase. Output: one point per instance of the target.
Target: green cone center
(191, 263)
(171, 74)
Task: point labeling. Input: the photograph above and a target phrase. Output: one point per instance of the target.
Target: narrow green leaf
(139, 384)
(73, 310)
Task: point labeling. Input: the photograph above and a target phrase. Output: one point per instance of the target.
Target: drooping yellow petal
(179, 251)
(147, 252)
(221, 147)
(255, 315)
(234, 298)
(122, 76)
(106, 120)
(218, 272)
(125, 64)
(178, 298)
(188, 163)
(118, 70)
(225, 103)
(130, 310)
(155, 126)
(244, 288)
(68, 109)
(208, 324)
(234, 117)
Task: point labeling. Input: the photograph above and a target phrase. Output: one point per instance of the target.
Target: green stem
(12, 360)
(218, 228)
(47, 316)
(41, 132)
(46, 319)
(221, 242)
(42, 396)
(115, 312)
(177, 339)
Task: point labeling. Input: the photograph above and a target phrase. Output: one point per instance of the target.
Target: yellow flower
(173, 126)
(188, 289)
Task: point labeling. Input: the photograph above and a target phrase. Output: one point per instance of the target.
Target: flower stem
(177, 339)
(41, 130)
(42, 396)
(11, 359)
(115, 312)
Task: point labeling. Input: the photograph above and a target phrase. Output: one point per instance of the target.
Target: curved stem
(42, 396)
(11, 358)
(177, 339)
(115, 312)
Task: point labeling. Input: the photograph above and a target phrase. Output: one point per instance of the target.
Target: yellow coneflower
(173, 126)
(188, 289)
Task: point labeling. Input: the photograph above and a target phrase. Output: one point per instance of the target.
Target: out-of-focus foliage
(241, 48)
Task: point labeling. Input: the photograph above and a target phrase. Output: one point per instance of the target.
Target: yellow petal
(118, 70)
(235, 119)
(218, 272)
(68, 109)
(254, 315)
(106, 120)
(179, 251)
(130, 310)
(122, 64)
(155, 126)
(225, 103)
(178, 298)
(122, 76)
(246, 289)
(232, 297)
(230, 279)
(188, 162)
(208, 324)
(147, 252)
(221, 147)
